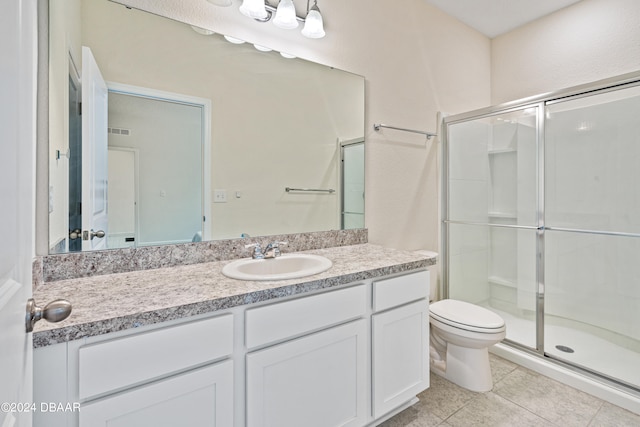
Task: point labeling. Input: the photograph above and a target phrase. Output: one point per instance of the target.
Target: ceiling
(495, 17)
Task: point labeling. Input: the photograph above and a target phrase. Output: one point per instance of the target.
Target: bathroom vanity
(188, 346)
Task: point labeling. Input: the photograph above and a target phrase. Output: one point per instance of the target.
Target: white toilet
(461, 334)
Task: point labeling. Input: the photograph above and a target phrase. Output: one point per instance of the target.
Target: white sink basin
(288, 266)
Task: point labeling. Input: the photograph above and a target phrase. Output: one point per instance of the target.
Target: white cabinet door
(315, 381)
(400, 355)
(203, 397)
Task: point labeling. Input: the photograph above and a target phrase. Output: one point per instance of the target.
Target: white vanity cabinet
(162, 376)
(201, 397)
(346, 356)
(400, 340)
(318, 379)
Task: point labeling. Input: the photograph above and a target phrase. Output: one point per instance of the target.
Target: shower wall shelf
(377, 127)
(497, 280)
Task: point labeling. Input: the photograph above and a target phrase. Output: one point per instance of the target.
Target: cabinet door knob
(55, 311)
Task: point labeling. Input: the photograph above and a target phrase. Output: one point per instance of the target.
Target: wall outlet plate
(219, 196)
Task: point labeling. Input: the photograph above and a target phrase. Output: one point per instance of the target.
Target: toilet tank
(433, 274)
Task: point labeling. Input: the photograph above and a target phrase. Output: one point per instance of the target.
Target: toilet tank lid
(466, 313)
(426, 253)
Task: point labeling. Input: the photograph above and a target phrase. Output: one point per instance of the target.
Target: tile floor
(519, 398)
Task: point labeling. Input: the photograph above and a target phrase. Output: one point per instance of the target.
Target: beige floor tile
(547, 398)
(520, 397)
(492, 410)
(413, 417)
(614, 416)
(443, 398)
(500, 367)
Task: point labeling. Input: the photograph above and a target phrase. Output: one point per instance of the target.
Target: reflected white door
(18, 21)
(94, 153)
(122, 199)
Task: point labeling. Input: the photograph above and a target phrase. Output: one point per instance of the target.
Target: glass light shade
(223, 3)
(287, 55)
(253, 9)
(313, 26)
(286, 15)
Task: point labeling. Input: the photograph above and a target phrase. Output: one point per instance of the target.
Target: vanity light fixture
(284, 16)
(255, 9)
(313, 26)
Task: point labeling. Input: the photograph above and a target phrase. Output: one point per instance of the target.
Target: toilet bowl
(461, 334)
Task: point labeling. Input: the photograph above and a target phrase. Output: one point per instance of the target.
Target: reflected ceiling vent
(118, 131)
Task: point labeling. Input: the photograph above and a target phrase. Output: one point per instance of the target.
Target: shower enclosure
(541, 223)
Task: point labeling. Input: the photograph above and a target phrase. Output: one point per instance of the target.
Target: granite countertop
(120, 301)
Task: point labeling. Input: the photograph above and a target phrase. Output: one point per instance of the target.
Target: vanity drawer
(123, 362)
(280, 321)
(400, 290)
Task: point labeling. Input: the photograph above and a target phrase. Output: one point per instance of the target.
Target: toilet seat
(463, 315)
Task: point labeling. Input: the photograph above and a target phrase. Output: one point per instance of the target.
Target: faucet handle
(275, 246)
(280, 244)
(257, 250)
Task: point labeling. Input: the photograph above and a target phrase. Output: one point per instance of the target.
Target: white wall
(585, 42)
(416, 61)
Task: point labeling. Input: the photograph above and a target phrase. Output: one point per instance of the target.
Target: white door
(18, 21)
(122, 199)
(94, 153)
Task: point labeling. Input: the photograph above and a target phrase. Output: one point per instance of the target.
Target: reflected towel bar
(329, 190)
(377, 127)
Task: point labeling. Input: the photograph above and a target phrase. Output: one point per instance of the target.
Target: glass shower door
(352, 185)
(491, 221)
(592, 237)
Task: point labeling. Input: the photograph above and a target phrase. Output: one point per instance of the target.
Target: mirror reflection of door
(75, 163)
(87, 155)
(94, 154)
(123, 214)
(160, 198)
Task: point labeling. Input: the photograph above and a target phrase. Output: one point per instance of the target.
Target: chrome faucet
(257, 251)
(273, 249)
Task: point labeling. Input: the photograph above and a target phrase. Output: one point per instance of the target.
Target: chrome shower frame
(539, 102)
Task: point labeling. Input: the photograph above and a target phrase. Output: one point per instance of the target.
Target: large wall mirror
(160, 133)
